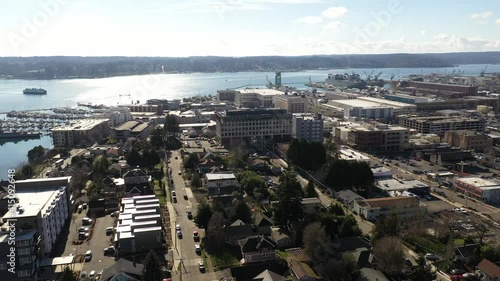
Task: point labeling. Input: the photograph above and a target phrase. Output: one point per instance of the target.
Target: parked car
(177, 227)
(179, 173)
(83, 229)
(457, 271)
(174, 199)
(196, 235)
(115, 214)
(430, 256)
(86, 221)
(109, 230)
(92, 274)
(79, 209)
(197, 248)
(83, 275)
(201, 266)
(179, 234)
(189, 214)
(186, 196)
(85, 206)
(88, 255)
(109, 250)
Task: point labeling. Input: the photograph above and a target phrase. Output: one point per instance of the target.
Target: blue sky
(246, 27)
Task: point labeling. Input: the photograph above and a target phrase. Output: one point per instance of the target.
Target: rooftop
(32, 202)
(387, 102)
(81, 125)
(127, 125)
(349, 154)
(265, 92)
(394, 184)
(220, 176)
(478, 182)
(388, 202)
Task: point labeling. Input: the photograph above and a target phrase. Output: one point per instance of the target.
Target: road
(185, 258)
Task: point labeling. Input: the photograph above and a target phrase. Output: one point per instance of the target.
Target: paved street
(185, 258)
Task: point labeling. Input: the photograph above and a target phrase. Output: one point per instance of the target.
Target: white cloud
(497, 21)
(335, 12)
(334, 25)
(441, 36)
(482, 15)
(309, 20)
(423, 32)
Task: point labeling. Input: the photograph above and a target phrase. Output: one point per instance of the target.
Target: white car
(177, 227)
(88, 255)
(197, 248)
(92, 274)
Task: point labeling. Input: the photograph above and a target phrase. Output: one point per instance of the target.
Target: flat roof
(81, 125)
(147, 229)
(484, 184)
(127, 125)
(349, 154)
(394, 184)
(33, 201)
(221, 176)
(387, 102)
(358, 103)
(264, 92)
(387, 201)
(56, 261)
(141, 127)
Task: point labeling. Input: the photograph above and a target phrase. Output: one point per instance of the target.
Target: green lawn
(224, 260)
(282, 254)
(426, 244)
(459, 242)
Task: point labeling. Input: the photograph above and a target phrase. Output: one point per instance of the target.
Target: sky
(181, 28)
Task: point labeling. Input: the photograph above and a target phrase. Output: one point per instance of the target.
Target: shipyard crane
(483, 71)
(366, 74)
(377, 76)
(392, 76)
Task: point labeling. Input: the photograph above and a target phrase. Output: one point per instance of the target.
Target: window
(24, 273)
(23, 251)
(24, 261)
(3, 266)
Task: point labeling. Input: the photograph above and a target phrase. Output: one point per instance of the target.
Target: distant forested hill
(93, 67)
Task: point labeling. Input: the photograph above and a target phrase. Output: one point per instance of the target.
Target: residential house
(115, 170)
(465, 253)
(236, 231)
(362, 257)
(282, 239)
(311, 205)
(123, 269)
(263, 224)
(369, 274)
(348, 197)
(351, 244)
(221, 184)
(137, 182)
(488, 270)
(302, 271)
(402, 206)
(257, 248)
(208, 166)
(268, 275)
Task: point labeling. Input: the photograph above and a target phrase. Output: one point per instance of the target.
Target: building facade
(266, 125)
(308, 127)
(136, 129)
(293, 103)
(439, 124)
(468, 140)
(26, 254)
(487, 190)
(256, 98)
(403, 207)
(219, 184)
(87, 131)
(379, 137)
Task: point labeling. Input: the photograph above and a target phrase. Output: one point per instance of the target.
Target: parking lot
(98, 241)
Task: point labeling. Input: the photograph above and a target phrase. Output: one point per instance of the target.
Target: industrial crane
(376, 76)
(483, 71)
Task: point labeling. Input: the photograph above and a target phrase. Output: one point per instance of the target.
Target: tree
(192, 161)
(288, 210)
(100, 166)
(25, 172)
(243, 212)
(423, 271)
(150, 158)
(203, 215)
(157, 138)
(386, 227)
(250, 182)
(196, 180)
(69, 275)
(310, 191)
(314, 239)
(349, 227)
(36, 154)
(308, 155)
(152, 267)
(343, 174)
(216, 237)
(389, 251)
(171, 125)
(134, 158)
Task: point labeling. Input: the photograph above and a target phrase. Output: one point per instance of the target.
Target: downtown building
(86, 131)
(439, 124)
(261, 125)
(308, 127)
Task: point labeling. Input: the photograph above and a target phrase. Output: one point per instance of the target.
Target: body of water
(130, 89)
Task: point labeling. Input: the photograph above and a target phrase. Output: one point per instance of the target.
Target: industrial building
(406, 98)
(139, 227)
(260, 125)
(439, 124)
(367, 107)
(444, 90)
(308, 127)
(85, 131)
(487, 190)
(469, 140)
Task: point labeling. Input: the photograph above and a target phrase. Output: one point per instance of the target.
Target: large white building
(116, 115)
(293, 103)
(255, 98)
(261, 125)
(219, 184)
(487, 190)
(367, 107)
(308, 127)
(87, 131)
(43, 205)
(439, 124)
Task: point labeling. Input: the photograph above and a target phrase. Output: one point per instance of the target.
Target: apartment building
(439, 124)
(402, 206)
(116, 115)
(219, 184)
(308, 127)
(468, 140)
(378, 137)
(256, 98)
(236, 126)
(151, 108)
(139, 228)
(136, 129)
(293, 103)
(26, 253)
(86, 131)
(41, 205)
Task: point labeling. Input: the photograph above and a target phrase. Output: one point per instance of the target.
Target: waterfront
(128, 89)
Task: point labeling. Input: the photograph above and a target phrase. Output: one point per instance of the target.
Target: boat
(34, 91)
(18, 135)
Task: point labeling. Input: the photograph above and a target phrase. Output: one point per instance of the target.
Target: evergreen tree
(203, 215)
(288, 210)
(152, 267)
(243, 212)
(422, 272)
(310, 191)
(69, 275)
(134, 158)
(157, 138)
(171, 125)
(195, 180)
(35, 154)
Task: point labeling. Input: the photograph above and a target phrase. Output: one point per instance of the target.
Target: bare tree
(314, 240)
(389, 251)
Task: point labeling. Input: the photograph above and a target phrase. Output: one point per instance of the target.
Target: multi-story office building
(439, 124)
(468, 140)
(116, 115)
(235, 126)
(226, 95)
(152, 108)
(87, 131)
(293, 103)
(26, 255)
(42, 205)
(308, 127)
(374, 136)
(256, 98)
